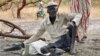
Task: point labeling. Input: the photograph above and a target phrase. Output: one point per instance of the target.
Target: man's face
(51, 11)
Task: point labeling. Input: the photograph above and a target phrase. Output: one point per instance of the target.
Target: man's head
(52, 9)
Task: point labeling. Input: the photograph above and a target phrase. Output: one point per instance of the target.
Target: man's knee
(73, 25)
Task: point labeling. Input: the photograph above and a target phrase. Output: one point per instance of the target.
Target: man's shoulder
(62, 14)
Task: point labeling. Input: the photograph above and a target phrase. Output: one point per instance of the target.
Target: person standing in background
(83, 7)
(40, 12)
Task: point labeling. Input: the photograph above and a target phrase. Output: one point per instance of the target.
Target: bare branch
(15, 36)
(21, 30)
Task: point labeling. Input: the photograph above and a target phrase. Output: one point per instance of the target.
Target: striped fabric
(81, 6)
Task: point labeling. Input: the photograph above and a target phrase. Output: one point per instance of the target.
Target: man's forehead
(51, 7)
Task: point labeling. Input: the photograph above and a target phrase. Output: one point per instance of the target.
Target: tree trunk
(20, 8)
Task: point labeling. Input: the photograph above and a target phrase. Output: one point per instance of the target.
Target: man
(55, 24)
(60, 27)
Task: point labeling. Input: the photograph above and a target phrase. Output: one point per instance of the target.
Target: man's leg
(61, 43)
(72, 34)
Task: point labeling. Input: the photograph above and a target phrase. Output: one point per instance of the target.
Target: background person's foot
(83, 39)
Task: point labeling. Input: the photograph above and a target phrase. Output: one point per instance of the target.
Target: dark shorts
(64, 42)
(67, 39)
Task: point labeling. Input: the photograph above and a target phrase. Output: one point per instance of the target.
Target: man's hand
(14, 47)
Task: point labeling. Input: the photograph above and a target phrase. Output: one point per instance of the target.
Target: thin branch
(59, 4)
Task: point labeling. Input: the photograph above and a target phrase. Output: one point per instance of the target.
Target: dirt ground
(29, 23)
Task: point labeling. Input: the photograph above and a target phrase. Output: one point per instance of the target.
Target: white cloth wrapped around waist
(37, 45)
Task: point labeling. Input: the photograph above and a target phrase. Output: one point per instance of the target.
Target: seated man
(60, 26)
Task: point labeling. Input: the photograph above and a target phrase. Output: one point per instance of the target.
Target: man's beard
(52, 19)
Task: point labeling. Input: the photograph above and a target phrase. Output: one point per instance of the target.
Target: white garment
(37, 45)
